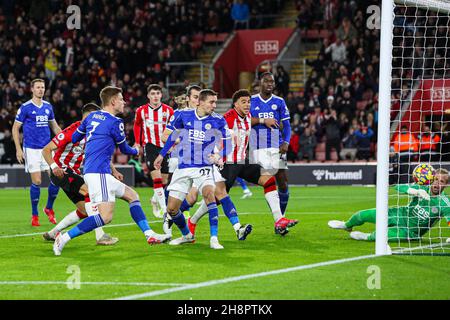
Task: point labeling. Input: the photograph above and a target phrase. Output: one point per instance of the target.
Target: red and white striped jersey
(240, 127)
(69, 155)
(149, 124)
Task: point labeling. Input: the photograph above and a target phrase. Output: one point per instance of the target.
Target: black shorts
(248, 172)
(151, 153)
(71, 184)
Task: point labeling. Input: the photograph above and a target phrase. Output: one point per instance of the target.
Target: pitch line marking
(93, 283)
(240, 278)
(154, 221)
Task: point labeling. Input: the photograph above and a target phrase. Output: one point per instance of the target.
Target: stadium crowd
(116, 45)
(334, 118)
(339, 106)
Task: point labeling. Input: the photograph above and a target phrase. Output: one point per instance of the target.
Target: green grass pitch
(29, 270)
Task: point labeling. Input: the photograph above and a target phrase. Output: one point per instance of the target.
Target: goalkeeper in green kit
(428, 205)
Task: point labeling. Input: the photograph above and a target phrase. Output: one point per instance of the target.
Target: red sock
(81, 215)
(270, 185)
(157, 183)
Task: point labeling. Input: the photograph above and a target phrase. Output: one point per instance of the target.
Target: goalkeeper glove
(422, 194)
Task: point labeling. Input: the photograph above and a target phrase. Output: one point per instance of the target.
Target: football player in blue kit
(36, 116)
(199, 131)
(268, 143)
(103, 131)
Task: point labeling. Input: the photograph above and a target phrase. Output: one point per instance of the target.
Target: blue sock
(166, 193)
(185, 206)
(284, 198)
(242, 183)
(35, 194)
(230, 210)
(138, 215)
(180, 221)
(88, 224)
(52, 193)
(213, 219)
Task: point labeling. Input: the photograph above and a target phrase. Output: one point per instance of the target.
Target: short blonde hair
(108, 93)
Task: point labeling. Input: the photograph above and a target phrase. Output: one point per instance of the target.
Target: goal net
(418, 128)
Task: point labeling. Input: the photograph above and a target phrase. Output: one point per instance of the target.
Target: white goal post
(388, 15)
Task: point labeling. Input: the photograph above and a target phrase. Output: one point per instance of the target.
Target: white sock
(65, 237)
(149, 233)
(273, 200)
(68, 220)
(236, 226)
(91, 209)
(201, 211)
(161, 198)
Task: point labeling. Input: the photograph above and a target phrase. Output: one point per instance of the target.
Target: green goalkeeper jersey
(420, 214)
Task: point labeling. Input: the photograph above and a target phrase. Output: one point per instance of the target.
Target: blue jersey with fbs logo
(103, 132)
(36, 132)
(263, 137)
(199, 136)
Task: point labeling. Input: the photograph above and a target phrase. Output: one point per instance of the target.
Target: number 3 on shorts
(94, 126)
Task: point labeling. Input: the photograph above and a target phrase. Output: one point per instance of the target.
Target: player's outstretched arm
(78, 136)
(16, 138)
(47, 154)
(413, 190)
(126, 149)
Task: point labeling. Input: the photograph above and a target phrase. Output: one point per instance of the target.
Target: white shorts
(34, 160)
(184, 179)
(269, 159)
(103, 187)
(173, 164)
(217, 175)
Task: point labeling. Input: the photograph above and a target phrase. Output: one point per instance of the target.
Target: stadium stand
(133, 41)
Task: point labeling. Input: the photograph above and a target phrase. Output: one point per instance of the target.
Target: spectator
(9, 155)
(140, 178)
(346, 31)
(429, 145)
(240, 13)
(338, 51)
(282, 81)
(292, 154)
(333, 135)
(308, 143)
(350, 144)
(363, 143)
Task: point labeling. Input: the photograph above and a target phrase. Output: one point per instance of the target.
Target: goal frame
(384, 110)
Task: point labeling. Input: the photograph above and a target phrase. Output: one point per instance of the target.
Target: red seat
(198, 37)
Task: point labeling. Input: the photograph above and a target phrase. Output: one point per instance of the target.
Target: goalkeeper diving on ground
(428, 205)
